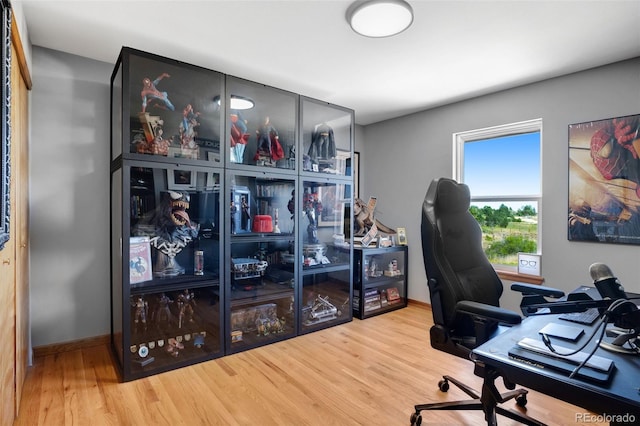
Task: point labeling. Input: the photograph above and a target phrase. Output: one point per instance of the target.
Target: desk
(620, 396)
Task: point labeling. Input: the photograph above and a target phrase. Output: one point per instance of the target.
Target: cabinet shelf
(170, 284)
(260, 293)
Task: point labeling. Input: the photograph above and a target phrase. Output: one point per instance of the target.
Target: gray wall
(403, 155)
(69, 197)
(70, 180)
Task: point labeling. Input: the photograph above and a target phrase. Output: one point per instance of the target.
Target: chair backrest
(456, 265)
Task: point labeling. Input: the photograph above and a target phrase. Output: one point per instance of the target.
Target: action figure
(140, 314)
(269, 148)
(163, 313)
(150, 92)
(174, 346)
(323, 144)
(186, 301)
(232, 210)
(187, 127)
(239, 138)
(244, 206)
(312, 207)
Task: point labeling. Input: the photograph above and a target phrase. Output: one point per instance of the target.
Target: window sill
(521, 278)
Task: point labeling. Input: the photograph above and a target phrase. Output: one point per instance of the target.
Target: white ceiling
(454, 50)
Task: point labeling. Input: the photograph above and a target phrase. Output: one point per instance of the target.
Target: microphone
(607, 284)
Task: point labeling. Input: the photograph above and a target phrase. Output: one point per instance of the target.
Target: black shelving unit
(379, 280)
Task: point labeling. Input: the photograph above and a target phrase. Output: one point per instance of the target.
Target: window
(502, 167)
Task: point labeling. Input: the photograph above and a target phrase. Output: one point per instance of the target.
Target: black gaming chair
(465, 292)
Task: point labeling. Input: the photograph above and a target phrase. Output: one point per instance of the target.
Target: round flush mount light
(237, 102)
(240, 102)
(380, 18)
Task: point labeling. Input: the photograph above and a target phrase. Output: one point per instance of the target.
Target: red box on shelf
(262, 223)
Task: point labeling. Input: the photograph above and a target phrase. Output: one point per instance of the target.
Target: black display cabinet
(166, 219)
(230, 214)
(379, 280)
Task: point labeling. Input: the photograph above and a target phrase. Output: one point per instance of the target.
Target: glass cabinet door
(262, 268)
(325, 254)
(170, 109)
(261, 125)
(327, 133)
(171, 263)
(174, 225)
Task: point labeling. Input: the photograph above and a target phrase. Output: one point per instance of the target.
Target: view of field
(506, 233)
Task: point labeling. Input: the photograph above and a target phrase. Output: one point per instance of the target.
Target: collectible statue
(312, 208)
(163, 313)
(323, 144)
(174, 347)
(364, 219)
(320, 309)
(244, 220)
(187, 129)
(151, 93)
(141, 308)
(153, 141)
(239, 138)
(170, 230)
(186, 302)
(269, 149)
(233, 209)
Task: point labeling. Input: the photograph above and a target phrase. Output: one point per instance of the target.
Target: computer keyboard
(586, 317)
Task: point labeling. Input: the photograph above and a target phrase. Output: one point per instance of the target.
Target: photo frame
(5, 151)
(332, 201)
(181, 180)
(529, 264)
(604, 181)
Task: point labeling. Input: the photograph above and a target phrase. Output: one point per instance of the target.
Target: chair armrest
(488, 311)
(537, 290)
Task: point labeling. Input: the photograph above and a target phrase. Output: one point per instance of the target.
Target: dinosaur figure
(364, 219)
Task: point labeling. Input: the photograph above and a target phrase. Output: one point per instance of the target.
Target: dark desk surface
(620, 396)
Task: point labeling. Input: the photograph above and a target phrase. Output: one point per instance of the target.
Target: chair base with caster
(487, 401)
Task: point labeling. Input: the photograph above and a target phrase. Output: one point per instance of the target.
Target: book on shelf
(139, 260)
(372, 300)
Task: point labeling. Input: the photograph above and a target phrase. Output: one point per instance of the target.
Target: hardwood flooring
(369, 372)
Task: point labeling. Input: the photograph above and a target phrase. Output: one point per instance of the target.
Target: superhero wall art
(604, 181)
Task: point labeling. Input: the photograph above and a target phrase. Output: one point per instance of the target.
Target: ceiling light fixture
(237, 102)
(379, 18)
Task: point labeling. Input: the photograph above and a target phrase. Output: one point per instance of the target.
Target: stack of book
(371, 300)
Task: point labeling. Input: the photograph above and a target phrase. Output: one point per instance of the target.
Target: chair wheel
(443, 385)
(416, 419)
(521, 400)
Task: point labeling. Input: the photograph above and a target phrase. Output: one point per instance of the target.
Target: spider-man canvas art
(604, 180)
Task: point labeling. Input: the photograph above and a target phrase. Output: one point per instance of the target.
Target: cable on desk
(603, 322)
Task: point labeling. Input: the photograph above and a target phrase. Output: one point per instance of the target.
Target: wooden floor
(369, 372)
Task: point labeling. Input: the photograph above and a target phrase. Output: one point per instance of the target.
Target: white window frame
(529, 126)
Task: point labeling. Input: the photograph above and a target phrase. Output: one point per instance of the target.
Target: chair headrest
(452, 197)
